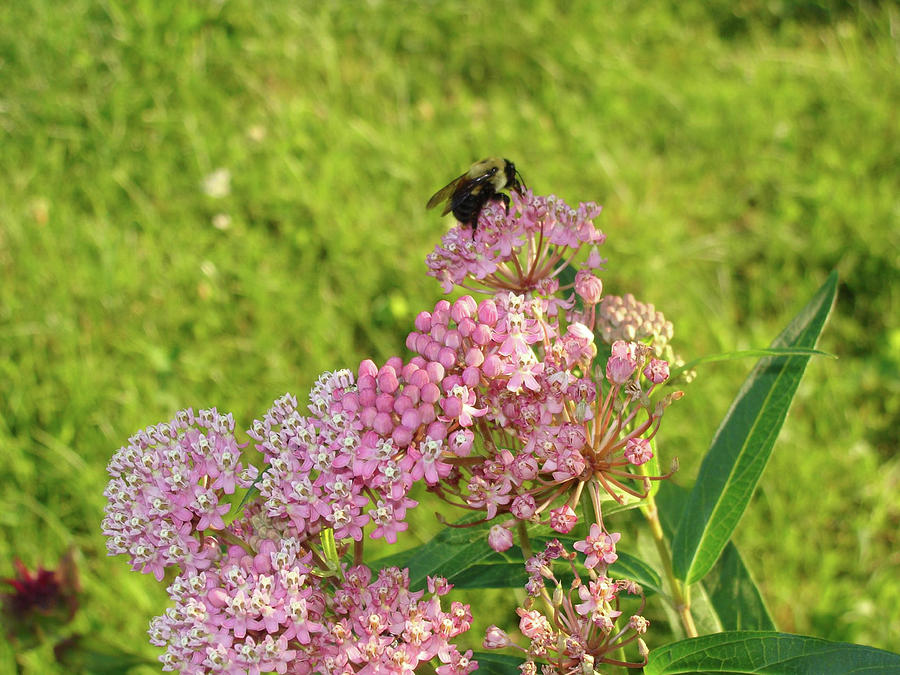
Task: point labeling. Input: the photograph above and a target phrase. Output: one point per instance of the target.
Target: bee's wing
(466, 187)
(444, 194)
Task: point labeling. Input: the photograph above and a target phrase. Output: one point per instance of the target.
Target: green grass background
(741, 150)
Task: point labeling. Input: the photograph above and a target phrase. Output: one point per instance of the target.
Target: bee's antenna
(521, 180)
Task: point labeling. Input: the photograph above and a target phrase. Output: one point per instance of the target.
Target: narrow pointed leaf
(768, 652)
(743, 354)
(743, 443)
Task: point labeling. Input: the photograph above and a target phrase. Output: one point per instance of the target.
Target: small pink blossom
(598, 547)
(657, 371)
(638, 451)
(563, 519)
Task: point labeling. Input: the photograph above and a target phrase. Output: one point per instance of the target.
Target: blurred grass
(742, 151)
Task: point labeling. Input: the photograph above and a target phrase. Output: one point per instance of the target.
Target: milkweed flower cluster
(368, 439)
(557, 415)
(521, 250)
(166, 491)
(276, 612)
(582, 625)
(508, 406)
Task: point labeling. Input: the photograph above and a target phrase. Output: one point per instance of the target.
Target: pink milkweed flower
(563, 519)
(598, 547)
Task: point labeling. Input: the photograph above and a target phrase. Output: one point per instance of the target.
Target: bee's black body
(467, 195)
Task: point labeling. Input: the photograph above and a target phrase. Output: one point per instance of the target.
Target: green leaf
(742, 445)
(632, 567)
(497, 664)
(743, 354)
(452, 554)
(473, 564)
(768, 652)
(733, 594)
(728, 589)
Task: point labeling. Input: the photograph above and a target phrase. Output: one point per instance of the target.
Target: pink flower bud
(402, 403)
(419, 378)
(622, 349)
(437, 431)
(411, 392)
(387, 380)
(466, 326)
(367, 416)
(447, 357)
(438, 333)
(431, 393)
(492, 366)
(426, 411)
(402, 436)
(435, 371)
(482, 334)
(452, 406)
(411, 341)
(463, 307)
(453, 339)
(367, 397)
(366, 382)
(367, 367)
(441, 314)
(496, 638)
(411, 419)
(499, 538)
(471, 376)
(580, 331)
(474, 357)
(395, 362)
(423, 321)
(350, 402)
(383, 423)
(487, 312)
(217, 597)
(384, 403)
(619, 369)
(589, 287)
(422, 342)
(432, 350)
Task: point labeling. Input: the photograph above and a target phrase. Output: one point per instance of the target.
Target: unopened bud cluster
(625, 318)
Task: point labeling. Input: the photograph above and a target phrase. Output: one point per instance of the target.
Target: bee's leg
(505, 199)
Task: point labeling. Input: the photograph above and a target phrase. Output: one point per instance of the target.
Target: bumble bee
(467, 195)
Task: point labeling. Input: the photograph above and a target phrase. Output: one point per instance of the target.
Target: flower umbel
(578, 628)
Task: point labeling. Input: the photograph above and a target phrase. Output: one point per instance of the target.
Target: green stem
(524, 541)
(681, 596)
